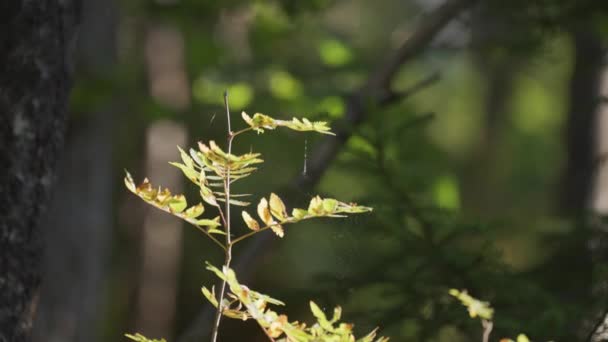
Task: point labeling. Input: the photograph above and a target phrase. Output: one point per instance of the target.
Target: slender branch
(245, 236)
(266, 332)
(241, 131)
(228, 249)
(373, 92)
(219, 209)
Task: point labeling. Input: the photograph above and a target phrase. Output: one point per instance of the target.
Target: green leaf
(329, 205)
(235, 202)
(208, 196)
(216, 231)
(317, 312)
(142, 338)
(210, 295)
(194, 211)
(298, 213)
(177, 203)
(215, 222)
(188, 162)
(189, 172)
(473, 305)
(316, 206)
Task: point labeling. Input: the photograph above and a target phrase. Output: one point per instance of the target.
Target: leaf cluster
(245, 304)
(214, 170)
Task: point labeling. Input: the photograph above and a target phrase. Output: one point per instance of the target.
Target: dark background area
(482, 155)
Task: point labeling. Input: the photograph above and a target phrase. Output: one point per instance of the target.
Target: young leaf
(298, 213)
(235, 202)
(177, 203)
(278, 230)
(277, 207)
(189, 172)
(250, 221)
(208, 196)
(188, 162)
(215, 222)
(263, 212)
(194, 211)
(142, 338)
(329, 205)
(316, 206)
(475, 306)
(259, 122)
(210, 295)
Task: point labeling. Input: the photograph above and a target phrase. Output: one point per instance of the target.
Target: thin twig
(210, 236)
(228, 249)
(267, 333)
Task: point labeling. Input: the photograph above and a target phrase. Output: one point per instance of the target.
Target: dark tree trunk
(580, 125)
(36, 41)
(78, 224)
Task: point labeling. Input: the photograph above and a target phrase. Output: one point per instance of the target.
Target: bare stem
(234, 134)
(487, 329)
(228, 255)
(267, 334)
(210, 236)
(244, 236)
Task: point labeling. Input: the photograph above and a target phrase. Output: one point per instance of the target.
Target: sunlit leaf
(208, 196)
(194, 211)
(475, 306)
(277, 207)
(278, 230)
(216, 231)
(259, 122)
(299, 213)
(215, 222)
(177, 203)
(255, 305)
(210, 295)
(142, 338)
(235, 202)
(250, 221)
(189, 172)
(316, 205)
(263, 212)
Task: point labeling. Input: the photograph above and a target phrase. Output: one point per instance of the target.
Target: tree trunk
(79, 220)
(580, 125)
(35, 66)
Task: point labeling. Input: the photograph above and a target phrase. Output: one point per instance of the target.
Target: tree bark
(580, 125)
(79, 220)
(35, 66)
